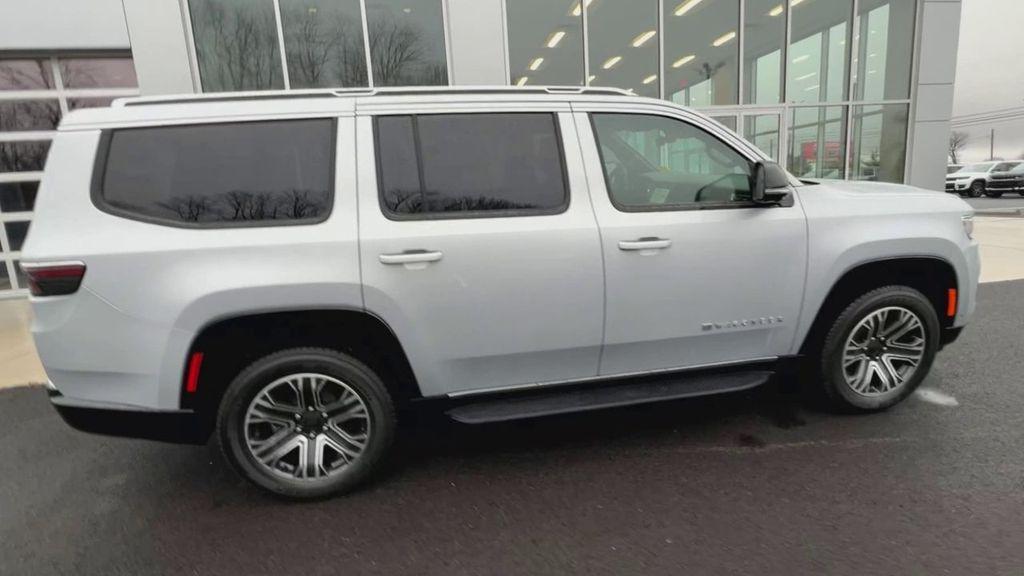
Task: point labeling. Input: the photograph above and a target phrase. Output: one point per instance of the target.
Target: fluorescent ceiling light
(639, 40)
(723, 39)
(522, 81)
(591, 78)
(630, 91)
(611, 62)
(776, 11)
(800, 59)
(683, 61)
(806, 76)
(576, 11)
(650, 78)
(795, 2)
(555, 38)
(536, 63)
(686, 7)
(815, 87)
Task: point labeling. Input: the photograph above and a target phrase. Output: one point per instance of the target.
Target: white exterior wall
(53, 25)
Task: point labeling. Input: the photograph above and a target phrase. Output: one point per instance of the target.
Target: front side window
(655, 162)
(220, 175)
(465, 165)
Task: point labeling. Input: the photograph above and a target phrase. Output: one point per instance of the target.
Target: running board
(627, 393)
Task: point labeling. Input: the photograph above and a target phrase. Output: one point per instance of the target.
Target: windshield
(982, 167)
(1005, 166)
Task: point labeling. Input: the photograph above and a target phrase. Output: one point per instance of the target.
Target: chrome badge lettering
(746, 323)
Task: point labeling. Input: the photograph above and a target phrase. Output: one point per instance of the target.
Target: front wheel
(306, 422)
(879, 349)
(977, 189)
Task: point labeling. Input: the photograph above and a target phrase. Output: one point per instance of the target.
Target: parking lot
(747, 483)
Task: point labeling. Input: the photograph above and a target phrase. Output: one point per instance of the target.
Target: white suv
(285, 270)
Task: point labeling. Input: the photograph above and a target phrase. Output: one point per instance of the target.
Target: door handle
(648, 245)
(411, 257)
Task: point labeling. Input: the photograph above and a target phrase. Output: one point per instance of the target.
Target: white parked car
(973, 179)
(288, 270)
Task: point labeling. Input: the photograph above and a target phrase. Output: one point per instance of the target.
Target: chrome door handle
(411, 257)
(645, 244)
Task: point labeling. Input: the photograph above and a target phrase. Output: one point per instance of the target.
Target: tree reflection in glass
(236, 44)
(407, 46)
(324, 43)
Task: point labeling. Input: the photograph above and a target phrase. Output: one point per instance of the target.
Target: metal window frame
(62, 95)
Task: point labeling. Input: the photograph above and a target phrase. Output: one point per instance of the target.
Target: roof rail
(349, 92)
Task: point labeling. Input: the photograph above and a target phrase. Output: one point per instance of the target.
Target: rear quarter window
(219, 175)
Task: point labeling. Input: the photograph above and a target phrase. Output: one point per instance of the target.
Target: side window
(470, 165)
(220, 175)
(655, 162)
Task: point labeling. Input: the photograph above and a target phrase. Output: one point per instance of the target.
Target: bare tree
(394, 49)
(957, 142)
(237, 47)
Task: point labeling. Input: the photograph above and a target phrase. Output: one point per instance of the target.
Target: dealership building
(856, 89)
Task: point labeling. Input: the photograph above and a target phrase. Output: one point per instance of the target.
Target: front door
(478, 245)
(696, 273)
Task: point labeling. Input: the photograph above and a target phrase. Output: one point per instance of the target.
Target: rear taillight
(53, 279)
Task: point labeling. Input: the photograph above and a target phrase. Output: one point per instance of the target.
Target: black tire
(1021, 193)
(977, 189)
(840, 395)
(356, 375)
(993, 194)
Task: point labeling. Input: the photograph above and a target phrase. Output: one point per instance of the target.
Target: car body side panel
(125, 335)
(850, 224)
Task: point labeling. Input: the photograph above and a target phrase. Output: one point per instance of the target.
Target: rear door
(478, 244)
(697, 274)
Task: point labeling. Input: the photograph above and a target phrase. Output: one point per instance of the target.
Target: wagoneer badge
(751, 323)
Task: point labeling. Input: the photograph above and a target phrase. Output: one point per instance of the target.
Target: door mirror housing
(768, 184)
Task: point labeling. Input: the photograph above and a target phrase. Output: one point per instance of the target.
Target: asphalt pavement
(753, 483)
(1011, 201)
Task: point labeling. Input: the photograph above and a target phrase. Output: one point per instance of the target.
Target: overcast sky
(990, 74)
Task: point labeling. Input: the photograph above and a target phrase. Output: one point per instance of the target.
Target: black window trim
(469, 214)
(99, 173)
(679, 207)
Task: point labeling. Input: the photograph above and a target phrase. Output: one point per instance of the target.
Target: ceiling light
(776, 11)
(723, 39)
(522, 81)
(650, 78)
(815, 87)
(555, 38)
(536, 63)
(591, 78)
(683, 61)
(611, 62)
(795, 3)
(639, 40)
(800, 59)
(806, 76)
(686, 7)
(576, 9)
(630, 91)
(407, 10)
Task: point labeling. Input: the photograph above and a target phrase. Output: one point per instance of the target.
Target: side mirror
(758, 187)
(768, 185)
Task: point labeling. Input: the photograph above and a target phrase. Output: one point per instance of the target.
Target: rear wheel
(879, 349)
(977, 189)
(306, 423)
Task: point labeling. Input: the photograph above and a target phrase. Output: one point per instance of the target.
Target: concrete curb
(1000, 212)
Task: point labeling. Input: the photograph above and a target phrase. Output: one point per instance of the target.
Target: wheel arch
(228, 345)
(933, 276)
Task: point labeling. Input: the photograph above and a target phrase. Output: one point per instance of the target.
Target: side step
(625, 393)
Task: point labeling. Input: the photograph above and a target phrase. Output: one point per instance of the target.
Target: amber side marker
(194, 364)
(951, 303)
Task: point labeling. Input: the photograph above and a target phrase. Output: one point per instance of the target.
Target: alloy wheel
(306, 426)
(883, 351)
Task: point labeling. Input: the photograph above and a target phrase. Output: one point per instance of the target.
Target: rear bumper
(177, 426)
(949, 335)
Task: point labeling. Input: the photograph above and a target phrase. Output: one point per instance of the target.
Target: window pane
(407, 44)
(97, 102)
(623, 45)
(765, 37)
(236, 44)
(701, 48)
(882, 67)
(879, 149)
(653, 161)
(545, 42)
(98, 73)
(818, 51)
(5, 278)
(18, 196)
(20, 274)
(728, 121)
(466, 168)
(29, 115)
(817, 142)
(16, 232)
(26, 75)
(763, 131)
(23, 156)
(238, 173)
(323, 42)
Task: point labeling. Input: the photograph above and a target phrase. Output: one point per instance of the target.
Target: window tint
(470, 163)
(222, 174)
(653, 161)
